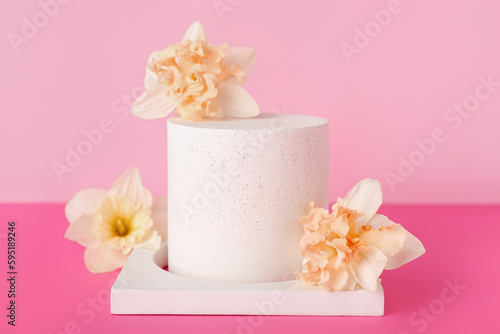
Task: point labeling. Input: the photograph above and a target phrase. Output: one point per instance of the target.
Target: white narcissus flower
(111, 223)
(353, 245)
(198, 79)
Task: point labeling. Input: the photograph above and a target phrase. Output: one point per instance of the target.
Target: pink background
(82, 64)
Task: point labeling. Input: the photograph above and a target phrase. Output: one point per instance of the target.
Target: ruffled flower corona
(201, 80)
(111, 223)
(350, 247)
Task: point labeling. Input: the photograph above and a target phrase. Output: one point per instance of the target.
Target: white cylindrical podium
(236, 191)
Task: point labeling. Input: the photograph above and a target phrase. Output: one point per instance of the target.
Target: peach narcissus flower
(350, 247)
(111, 223)
(198, 79)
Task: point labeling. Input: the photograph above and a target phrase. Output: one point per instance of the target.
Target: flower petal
(390, 239)
(81, 231)
(312, 221)
(352, 283)
(365, 197)
(412, 247)
(318, 254)
(378, 221)
(333, 279)
(151, 77)
(368, 267)
(340, 227)
(154, 102)
(152, 240)
(243, 56)
(102, 259)
(159, 214)
(340, 245)
(129, 185)
(235, 101)
(411, 250)
(196, 32)
(84, 202)
(310, 276)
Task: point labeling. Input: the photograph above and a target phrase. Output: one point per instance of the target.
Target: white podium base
(143, 287)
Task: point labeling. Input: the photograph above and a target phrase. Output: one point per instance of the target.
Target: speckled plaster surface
(237, 189)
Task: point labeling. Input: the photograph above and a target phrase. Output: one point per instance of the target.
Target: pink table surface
(56, 293)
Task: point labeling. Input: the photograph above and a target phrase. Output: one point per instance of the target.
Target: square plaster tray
(143, 287)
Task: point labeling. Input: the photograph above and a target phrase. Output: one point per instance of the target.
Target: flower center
(352, 242)
(120, 224)
(121, 229)
(192, 72)
(355, 246)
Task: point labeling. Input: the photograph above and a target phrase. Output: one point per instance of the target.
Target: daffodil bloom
(198, 79)
(350, 247)
(111, 223)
